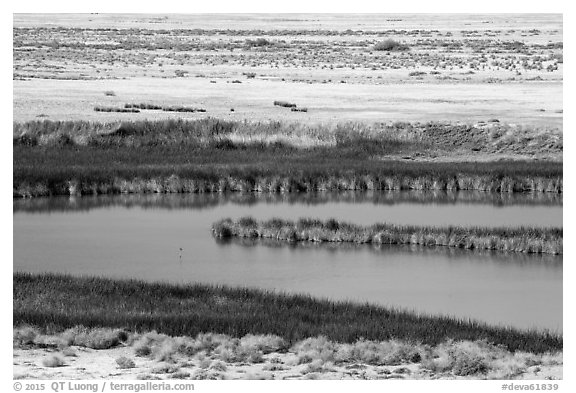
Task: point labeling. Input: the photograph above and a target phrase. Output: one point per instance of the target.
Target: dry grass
(319, 355)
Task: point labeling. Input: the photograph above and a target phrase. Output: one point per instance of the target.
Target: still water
(140, 237)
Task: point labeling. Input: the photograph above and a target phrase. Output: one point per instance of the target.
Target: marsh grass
(61, 302)
(211, 155)
(527, 240)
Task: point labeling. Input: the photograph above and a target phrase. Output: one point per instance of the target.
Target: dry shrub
(95, 338)
(165, 368)
(462, 358)
(53, 361)
(314, 348)
(267, 343)
(125, 363)
(24, 335)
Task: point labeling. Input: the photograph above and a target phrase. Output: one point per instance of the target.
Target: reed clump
(527, 240)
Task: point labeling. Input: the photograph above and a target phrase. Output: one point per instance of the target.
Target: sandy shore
(85, 363)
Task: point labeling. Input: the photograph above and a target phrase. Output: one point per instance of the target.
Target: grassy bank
(58, 302)
(210, 155)
(528, 240)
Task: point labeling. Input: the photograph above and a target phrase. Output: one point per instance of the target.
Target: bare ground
(100, 364)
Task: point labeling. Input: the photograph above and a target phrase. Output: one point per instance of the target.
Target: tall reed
(527, 240)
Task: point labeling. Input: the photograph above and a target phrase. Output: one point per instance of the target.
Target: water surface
(140, 237)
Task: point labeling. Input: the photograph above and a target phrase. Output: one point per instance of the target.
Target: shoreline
(215, 155)
(63, 301)
(92, 328)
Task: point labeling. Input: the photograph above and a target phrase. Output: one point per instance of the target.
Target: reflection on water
(123, 237)
(365, 208)
(204, 200)
(516, 258)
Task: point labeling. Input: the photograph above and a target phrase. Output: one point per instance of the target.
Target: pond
(140, 236)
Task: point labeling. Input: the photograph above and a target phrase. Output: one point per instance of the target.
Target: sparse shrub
(24, 335)
(204, 363)
(165, 369)
(204, 374)
(316, 366)
(402, 370)
(274, 367)
(125, 363)
(142, 349)
(258, 42)
(180, 375)
(314, 348)
(147, 377)
(266, 343)
(96, 338)
(218, 366)
(165, 351)
(69, 352)
(461, 358)
(390, 45)
(53, 361)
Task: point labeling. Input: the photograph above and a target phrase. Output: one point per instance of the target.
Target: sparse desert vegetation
(216, 356)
